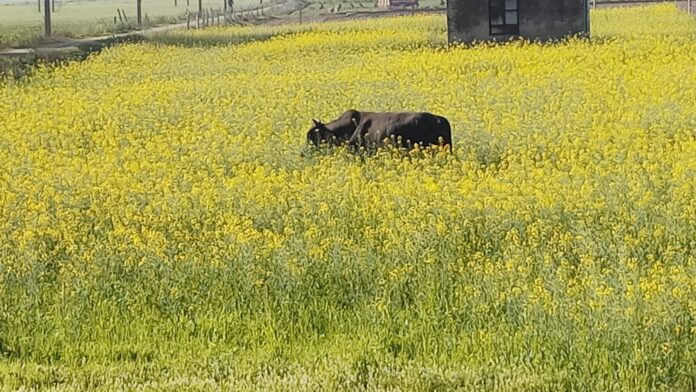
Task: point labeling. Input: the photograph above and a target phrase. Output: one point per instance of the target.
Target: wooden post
(200, 7)
(224, 5)
(125, 17)
(175, 3)
(47, 17)
(53, 6)
(300, 15)
(140, 13)
(115, 26)
(39, 3)
(198, 20)
(188, 20)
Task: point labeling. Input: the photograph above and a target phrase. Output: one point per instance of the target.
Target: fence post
(300, 15)
(140, 13)
(47, 17)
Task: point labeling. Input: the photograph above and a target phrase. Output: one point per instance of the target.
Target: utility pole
(47, 17)
(140, 13)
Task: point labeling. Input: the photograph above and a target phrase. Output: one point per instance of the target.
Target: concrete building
(486, 20)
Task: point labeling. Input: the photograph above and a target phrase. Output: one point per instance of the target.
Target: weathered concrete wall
(468, 20)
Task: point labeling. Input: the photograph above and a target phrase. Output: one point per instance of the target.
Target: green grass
(21, 23)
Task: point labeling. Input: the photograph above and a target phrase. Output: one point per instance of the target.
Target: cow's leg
(357, 140)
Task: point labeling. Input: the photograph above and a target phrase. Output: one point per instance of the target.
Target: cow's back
(418, 127)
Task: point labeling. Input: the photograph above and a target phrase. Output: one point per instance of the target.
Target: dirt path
(349, 15)
(81, 42)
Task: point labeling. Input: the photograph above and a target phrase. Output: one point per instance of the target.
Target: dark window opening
(504, 17)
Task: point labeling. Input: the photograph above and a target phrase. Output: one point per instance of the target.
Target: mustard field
(164, 227)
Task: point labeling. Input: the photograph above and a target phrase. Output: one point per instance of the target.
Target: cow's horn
(316, 122)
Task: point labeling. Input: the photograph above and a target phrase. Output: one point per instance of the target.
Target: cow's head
(319, 133)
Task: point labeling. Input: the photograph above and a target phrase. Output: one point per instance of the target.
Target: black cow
(371, 129)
